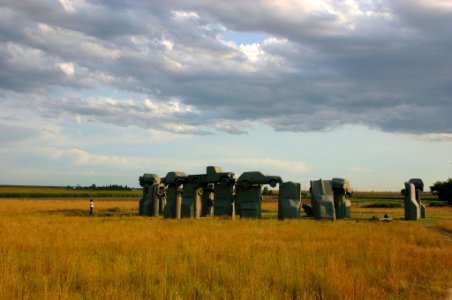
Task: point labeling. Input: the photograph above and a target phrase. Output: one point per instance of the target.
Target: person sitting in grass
(91, 207)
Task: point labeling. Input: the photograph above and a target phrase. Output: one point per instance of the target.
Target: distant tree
(443, 189)
(266, 191)
(94, 187)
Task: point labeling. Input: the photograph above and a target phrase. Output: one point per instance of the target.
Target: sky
(103, 91)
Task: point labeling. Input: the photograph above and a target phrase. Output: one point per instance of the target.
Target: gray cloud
(385, 65)
(148, 114)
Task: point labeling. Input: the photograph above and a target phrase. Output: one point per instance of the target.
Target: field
(52, 248)
(61, 192)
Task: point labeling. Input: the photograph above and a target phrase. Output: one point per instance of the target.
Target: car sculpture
(149, 179)
(255, 177)
(176, 178)
(343, 185)
(418, 183)
(214, 174)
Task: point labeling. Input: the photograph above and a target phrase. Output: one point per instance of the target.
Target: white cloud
(275, 41)
(73, 6)
(68, 5)
(232, 128)
(183, 15)
(67, 68)
(167, 43)
(252, 51)
(165, 109)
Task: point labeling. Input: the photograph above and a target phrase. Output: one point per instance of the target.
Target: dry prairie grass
(46, 253)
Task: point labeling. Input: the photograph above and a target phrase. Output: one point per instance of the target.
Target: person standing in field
(91, 207)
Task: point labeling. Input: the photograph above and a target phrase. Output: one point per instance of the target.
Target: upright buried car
(343, 185)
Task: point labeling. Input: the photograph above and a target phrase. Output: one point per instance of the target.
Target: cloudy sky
(103, 91)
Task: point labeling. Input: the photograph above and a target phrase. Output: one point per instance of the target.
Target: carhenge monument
(219, 193)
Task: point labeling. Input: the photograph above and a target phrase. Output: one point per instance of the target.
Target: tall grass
(47, 253)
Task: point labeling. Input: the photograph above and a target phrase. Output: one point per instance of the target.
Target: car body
(418, 183)
(342, 184)
(176, 178)
(215, 174)
(197, 180)
(149, 179)
(255, 177)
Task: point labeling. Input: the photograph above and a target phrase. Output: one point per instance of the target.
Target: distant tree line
(267, 192)
(93, 187)
(443, 189)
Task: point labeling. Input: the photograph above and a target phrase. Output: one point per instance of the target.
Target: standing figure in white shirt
(91, 207)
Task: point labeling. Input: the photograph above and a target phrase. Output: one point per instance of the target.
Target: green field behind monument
(53, 249)
(63, 192)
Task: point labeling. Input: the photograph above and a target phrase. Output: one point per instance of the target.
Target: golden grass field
(53, 249)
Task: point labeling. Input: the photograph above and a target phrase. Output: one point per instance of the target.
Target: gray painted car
(418, 183)
(255, 177)
(176, 178)
(149, 179)
(343, 185)
(214, 174)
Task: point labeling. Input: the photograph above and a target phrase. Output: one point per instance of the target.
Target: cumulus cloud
(232, 128)
(172, 116)
(321, 65)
